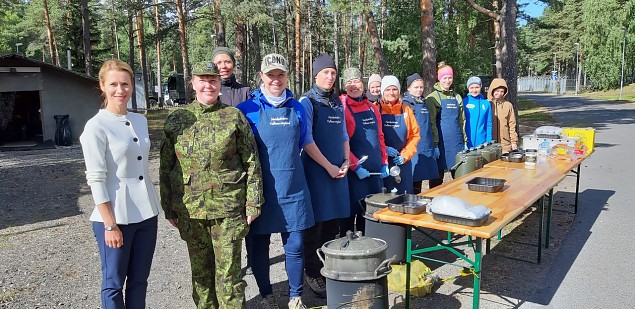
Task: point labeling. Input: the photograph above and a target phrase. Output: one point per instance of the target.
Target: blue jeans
(130, 264)
(294, 261)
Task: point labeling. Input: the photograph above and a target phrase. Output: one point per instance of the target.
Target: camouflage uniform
(210, 179)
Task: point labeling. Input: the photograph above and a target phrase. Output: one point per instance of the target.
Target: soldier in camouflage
(211, 188)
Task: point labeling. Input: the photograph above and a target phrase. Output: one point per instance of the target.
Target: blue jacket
(257, 102)
(478, 120)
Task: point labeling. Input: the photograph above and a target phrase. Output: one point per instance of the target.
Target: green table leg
(541, 209)
(487, 245)
(449, 237)
(408, 260)
(477, 273)
(548, 227)
(577, 189)
(500, 234)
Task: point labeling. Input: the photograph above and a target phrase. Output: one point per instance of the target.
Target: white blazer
(116, 149)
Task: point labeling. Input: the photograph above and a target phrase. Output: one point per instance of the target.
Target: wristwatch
(110, 227)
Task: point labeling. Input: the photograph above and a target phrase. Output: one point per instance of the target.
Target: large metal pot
(354, 258)
(497, 148)
(377, 201)
(467, 161)
(488, 153)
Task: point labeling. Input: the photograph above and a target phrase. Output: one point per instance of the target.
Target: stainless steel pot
(354, 258)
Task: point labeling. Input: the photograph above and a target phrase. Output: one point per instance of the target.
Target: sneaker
(317, 286)
(296, 303)
(269, 302)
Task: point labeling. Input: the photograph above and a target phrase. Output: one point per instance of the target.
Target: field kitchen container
(393, 234)
(467, 161)
(489, 154)
(355, 268)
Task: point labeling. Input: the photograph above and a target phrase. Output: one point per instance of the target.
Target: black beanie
(410, 79)
(324, 61)
(223, 50)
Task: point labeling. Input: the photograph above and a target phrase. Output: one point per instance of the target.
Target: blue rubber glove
(362, 173)
(399, 160)
(437, 153)
(384, 171)
(392, 152)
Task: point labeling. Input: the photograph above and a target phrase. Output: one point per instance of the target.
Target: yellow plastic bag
(421, 279)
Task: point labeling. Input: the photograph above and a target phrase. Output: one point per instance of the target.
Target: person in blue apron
(401, 134)
(424, 163)
(325, 161)
(447, 122)
(366, 139)
(280, 125)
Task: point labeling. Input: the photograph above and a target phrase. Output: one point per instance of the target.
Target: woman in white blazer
(116, 148)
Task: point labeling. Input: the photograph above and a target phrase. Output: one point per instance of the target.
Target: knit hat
(412, 78)
(324, 61)
(474, 80)
(444, 71)
(390, 80)
(351, 74)
(223, 50)
(373, 78)
(272, 62)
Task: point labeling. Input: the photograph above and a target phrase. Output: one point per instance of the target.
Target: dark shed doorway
(24, 121)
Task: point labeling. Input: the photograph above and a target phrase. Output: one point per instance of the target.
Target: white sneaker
(296, 303)
(269, 302)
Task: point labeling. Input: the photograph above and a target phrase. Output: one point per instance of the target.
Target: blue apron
(330, 195)
(424, 165)
(396, 136)
(450, 134)
(287, 206)
(365, 141)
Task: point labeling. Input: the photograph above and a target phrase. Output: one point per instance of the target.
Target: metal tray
(398, 203)
(415, 209)
(484, 184)
(516, 157)
(459, 220)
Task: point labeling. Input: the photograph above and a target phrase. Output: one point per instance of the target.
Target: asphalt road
(593, 268)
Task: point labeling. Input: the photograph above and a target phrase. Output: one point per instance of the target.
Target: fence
(546, 84)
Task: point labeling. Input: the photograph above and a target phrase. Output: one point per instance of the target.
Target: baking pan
(459, 220)
(484, 184)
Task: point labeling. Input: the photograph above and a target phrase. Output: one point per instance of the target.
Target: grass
(628, 94)
(529, 110)
(7, 295)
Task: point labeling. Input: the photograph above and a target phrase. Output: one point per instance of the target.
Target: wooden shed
(33, 92)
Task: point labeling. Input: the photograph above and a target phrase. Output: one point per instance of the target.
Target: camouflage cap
(272, 62)
(351, 74)
(204, 68)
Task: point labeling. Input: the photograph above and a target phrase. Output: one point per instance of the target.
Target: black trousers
(314, 238)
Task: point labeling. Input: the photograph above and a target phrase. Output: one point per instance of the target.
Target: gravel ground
(49, 258)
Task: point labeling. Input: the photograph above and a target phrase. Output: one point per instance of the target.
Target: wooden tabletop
(522, 188)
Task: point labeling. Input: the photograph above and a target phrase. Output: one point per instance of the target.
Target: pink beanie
(444, 71)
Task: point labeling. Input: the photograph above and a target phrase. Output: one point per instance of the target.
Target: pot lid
(355, 243)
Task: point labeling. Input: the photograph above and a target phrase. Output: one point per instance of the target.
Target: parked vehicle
(175, 94)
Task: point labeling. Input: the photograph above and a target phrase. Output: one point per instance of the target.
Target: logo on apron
(334, 119)
(369, 120)
(280, 121)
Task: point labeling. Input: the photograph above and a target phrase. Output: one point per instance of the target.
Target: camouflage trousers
(214, 247)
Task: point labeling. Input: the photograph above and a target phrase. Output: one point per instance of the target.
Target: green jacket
(209, 164)
(434, 105)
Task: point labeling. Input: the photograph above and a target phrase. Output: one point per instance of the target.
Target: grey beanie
(374, 78)
(324, 61)
(351, 74)
(390, 80)
(412, 78)
(474, 80)
(223, 50)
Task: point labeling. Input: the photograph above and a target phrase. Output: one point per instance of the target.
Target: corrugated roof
(24, 61)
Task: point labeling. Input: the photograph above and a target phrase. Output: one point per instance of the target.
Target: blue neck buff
(275, 101)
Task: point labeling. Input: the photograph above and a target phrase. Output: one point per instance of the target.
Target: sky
(533, 9)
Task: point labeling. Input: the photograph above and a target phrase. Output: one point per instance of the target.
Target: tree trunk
(256, 43)
(88, 63)
(55, 60)
(186, 58)
(239, 71)
(374, 37)
(115, 36)
(131, 53)
(298, 51)
(219, 24)
(509, 49)
(495, 16)
(336, 35)
(157, 25)
(142, 52)
(347, 52)
(362, 44)
(383, 12)
(310, 43)
(428, 46)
